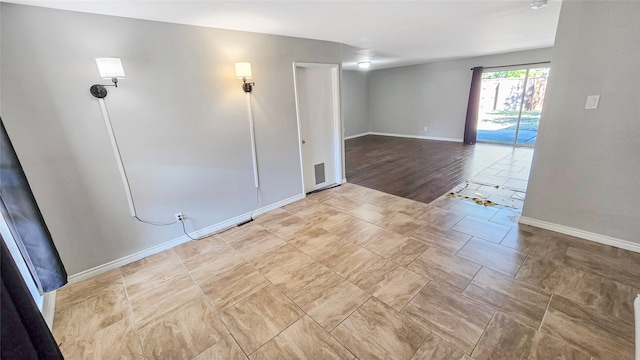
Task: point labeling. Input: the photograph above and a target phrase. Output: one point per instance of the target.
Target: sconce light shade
(364, 64)
(243, 70)
(110, 68)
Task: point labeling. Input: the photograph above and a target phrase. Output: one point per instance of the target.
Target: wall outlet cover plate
(592, 102)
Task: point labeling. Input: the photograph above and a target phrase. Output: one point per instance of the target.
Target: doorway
(317, 92)
(510, 105)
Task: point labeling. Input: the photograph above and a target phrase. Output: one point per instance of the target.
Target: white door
(318, 107)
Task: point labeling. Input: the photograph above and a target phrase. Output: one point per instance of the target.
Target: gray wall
(404, 100)
(180, 117)
(355, 102)
(586, 166)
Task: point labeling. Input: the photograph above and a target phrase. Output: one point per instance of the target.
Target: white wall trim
(636, 306)
(602, 239)
(357, 135)
(417, 137)
(404, 136)
(83, 275)
(49, 308)
(276, 205)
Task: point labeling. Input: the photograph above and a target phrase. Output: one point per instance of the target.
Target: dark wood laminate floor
(416, 169)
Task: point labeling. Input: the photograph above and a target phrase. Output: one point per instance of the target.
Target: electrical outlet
(179, 216)
(425, 129)
(592, 102)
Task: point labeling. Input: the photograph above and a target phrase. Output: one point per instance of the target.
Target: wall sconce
(109, 68)
(243, 71)
(364, 64)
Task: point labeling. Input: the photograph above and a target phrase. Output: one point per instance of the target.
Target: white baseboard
(49, 308)
(83, 275)
(357, 135)
(417, 137)
(602, 239)
(278, 204)
(404, 136)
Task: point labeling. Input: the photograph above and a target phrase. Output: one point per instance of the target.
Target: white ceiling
(388, 33)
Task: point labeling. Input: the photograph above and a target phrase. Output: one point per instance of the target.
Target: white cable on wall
(123, 172)
(116, 151)
(125, 179)
(256, 180)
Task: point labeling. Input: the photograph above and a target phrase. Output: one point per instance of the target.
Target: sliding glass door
(510, 105)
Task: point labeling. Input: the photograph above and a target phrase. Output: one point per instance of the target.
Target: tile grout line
(133, 317)
(173, 312)
(340, 323)
(216, 313)
(236, 341)
(191, 277)
(431, 332)
(419, 291)
(278, 289)
(520, 267)
(495, 312)
(469, 283)
(545, 312)
(216, 343)
(423, 341)
(283, 330)
(356, 309)
(246, 297)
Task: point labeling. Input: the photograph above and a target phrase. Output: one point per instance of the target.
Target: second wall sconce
(109, 68)
(243, 71)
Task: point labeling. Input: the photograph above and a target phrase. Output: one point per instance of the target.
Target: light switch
(592, 102)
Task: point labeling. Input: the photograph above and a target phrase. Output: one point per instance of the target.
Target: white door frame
(338, 136)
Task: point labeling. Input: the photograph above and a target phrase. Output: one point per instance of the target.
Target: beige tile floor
(351, 272)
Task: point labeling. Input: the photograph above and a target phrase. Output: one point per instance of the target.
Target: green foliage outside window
(517, 74)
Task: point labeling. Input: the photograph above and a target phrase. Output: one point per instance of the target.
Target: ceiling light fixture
(364, 64)
(539, 4)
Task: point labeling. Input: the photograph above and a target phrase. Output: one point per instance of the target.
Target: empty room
(320, 179)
